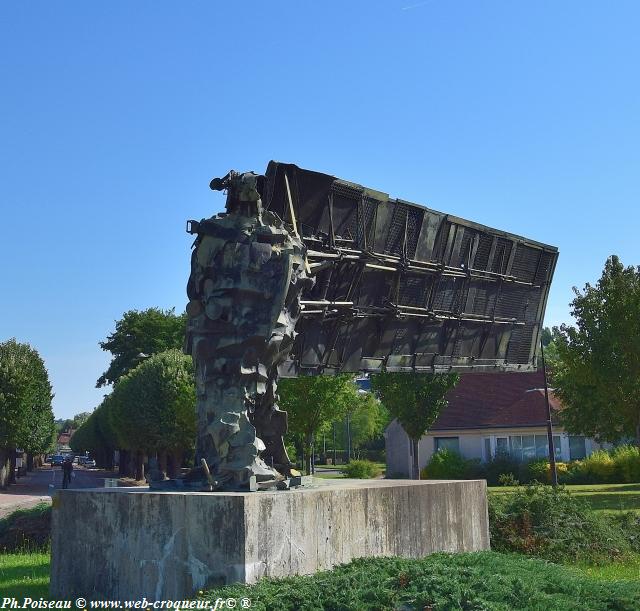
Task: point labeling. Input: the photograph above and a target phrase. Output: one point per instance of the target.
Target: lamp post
(552, 450)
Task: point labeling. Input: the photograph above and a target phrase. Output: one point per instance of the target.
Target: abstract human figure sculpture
(247, 273)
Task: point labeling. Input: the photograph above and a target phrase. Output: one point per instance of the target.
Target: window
(450, 443)
(487, 448)
(577, 448)
(502, 445)
(529, 447)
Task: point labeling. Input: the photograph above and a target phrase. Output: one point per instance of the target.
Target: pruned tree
(26, 417)
(416, 400)
(597, 375)
(153, 408)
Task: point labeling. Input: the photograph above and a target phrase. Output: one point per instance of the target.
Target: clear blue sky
(115, 115)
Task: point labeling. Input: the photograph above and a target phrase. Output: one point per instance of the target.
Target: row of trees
(595, 369)
(26, 417)
(318, 404)
(150, 411)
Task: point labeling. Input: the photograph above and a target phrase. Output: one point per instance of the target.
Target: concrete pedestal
(123, 543)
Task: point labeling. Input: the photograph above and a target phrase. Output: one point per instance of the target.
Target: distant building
(490, 413)
(62, 443)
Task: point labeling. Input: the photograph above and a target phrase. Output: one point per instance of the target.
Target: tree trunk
(123, 465)
(29, 462)
(139, 465)
(12, 466)
(415, 471)
(162, 461)
(175, 463)
(4, 468)
(308, 454)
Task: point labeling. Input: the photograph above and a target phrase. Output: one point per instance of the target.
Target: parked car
(86, 461)
(57, 460)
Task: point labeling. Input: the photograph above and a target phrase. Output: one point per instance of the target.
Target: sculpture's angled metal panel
(405, 287)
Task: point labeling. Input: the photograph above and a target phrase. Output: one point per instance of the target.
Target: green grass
(482, 580)
(24, 574)
(615, 571)
(612, 498)
(336, 470)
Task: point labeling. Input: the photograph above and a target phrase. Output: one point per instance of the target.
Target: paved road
(40, 484)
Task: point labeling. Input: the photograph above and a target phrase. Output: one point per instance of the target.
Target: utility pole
(552, 450)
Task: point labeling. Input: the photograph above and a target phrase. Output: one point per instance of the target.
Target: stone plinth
(123, 543)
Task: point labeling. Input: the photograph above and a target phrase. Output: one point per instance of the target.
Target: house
(62, 443)
(489, 413)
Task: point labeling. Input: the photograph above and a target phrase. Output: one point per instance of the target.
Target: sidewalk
(29, 490)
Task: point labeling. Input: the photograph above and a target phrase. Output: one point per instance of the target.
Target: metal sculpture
(398, 287)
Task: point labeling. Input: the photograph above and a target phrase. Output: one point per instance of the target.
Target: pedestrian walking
(67, 469)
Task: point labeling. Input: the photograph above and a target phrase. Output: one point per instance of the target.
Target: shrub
(447, 464)
(361, 469)
(626, 459)
(502, 464)
(507, 479)
(550, 523)
(482, 580)
(598, 468)
(539, 470)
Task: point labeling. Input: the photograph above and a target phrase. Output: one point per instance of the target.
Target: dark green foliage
(139, 334)
(480, 581)
(26, 529)
(598, 373)
(152, 407)
(447, 464)
(361, 469)
(415, 399)
(26, 417)
(551, 523)
(502, 464)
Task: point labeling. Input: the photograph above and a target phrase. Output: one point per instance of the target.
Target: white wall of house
(475, 443)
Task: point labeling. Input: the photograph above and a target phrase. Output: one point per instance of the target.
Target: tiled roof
(485, 400)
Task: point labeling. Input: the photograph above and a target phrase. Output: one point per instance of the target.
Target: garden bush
(550, 523)
(482, 580)
(361, 469)
(447, 464)
(626, 460)
(502, 464)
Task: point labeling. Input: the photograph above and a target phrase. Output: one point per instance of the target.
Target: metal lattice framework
(404, 287)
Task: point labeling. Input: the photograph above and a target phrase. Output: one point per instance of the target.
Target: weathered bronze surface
(397, 286)
(247, 273)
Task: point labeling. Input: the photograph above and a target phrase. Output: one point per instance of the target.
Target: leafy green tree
(416, 400)
(598, 374)
(313, 403)
(96, 435)
(153, 407)
(367, 419)
(139, 334)
(26, 417)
